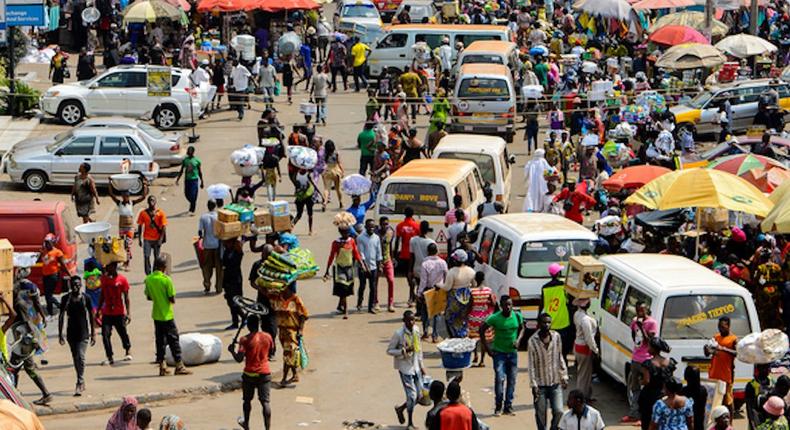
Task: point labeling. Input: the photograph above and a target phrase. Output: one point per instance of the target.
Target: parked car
(123, 91)
(57, 163)
(699, 115)
(419, 9)
(25, 223)
(361, 12)
(169, 147)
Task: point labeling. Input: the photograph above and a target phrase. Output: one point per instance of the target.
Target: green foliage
(25, 100)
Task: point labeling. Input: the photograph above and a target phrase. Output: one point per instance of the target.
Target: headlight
(51, 93)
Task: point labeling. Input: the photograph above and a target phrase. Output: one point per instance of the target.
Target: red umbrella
(634, 177)
(767, 180)
(220, 5)
(183, 3)
(278, 5)
(740, 164)
(676, 34)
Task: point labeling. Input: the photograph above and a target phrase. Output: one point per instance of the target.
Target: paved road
(350, 376)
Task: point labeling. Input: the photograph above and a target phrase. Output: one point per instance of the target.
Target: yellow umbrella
(778, 219)
(150, 11)
(701, 188)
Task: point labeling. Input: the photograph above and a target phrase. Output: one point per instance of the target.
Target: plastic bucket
(456, 360)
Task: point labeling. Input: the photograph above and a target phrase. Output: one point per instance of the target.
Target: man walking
(151, 231)
(53, 263)
(211, 262)
(193, 178)
(337, 63)
(366, 142)
(254, 349)
(508, 331)
(584, 348)
(406, 352)
(268, 81)
(160, 291)
(722, 362)
(433, 272)
(404, 231)
(240, 80)
(386, 235)
(79, 329)
(418, 248)
(369, 245)
(580, 415)
(359, 54)
(643, 328)
(116, 310)
(548, 373)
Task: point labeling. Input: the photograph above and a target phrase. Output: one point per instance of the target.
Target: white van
(394, 51)
(490, 155)
(684, 297)
(517, 249)
(490, 52)
(428, 187)
(484, 101)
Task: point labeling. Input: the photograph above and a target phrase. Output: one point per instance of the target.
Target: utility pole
(753, 12)
(709, 20)
(11, 65)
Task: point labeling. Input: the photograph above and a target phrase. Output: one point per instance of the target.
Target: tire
(35, 180)
(71, 112)
(138, 186)
(166, 116)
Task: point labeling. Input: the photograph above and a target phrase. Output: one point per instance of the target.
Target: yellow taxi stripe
(616, 345)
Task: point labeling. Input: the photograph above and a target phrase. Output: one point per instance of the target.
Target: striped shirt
(545, 364)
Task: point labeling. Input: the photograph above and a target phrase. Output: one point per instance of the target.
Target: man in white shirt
(200, 74)
(580, 416)
(319, 89)
(406, 352)
(445, 55)
(584, 347)
(240, 81)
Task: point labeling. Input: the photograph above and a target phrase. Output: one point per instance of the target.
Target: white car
(361, 12)
(123, 91)
(58, 162)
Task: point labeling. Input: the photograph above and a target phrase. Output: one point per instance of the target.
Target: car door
(67, 159)
(613, 332)
(107, 96)
(112, 151)
(138, 103)
(485, 244)
(744, 107)
(500, 265)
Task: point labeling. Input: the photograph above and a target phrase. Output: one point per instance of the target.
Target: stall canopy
(676, 34)
(221, 5)
(695, 20)
(634, 177)
(745, 45)
(778, 220)
(662, 4)
(619, 9)
(690, 56)
(670, 219)
(280, 5)
(150, 11)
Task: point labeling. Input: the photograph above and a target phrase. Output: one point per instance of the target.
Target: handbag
(304, 359)
(278, 88)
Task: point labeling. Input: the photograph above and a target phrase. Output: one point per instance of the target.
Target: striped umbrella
(740, 164)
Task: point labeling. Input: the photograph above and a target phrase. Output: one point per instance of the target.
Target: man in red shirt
(575, 198)
(115, 310)
(404, 231)
(456, 415)
(254, 350)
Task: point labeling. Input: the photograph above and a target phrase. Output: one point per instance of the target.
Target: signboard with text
(24, 13)
(159, 82)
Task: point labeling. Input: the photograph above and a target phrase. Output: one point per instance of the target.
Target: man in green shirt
(159, 290)
(366, 142)
(193, 178)
(542, 72)
(508, 330)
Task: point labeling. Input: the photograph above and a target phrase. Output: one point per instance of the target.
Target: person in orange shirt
(151, 231)
(53, 264)
(722, 364)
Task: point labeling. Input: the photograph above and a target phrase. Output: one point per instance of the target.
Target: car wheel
(36, 180)
(166, 117)
(137, 188)
(71, 112)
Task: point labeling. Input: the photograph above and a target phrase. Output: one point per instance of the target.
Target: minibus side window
(614, 291)
(629, 309)
(501, 254)
(485, 244)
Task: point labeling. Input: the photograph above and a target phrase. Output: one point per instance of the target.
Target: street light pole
(753, 12)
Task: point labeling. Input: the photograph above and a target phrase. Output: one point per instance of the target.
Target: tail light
(151, 166)
(192, 92)
(175, 148)
(510, 113)
(513, 293)
(456, 112)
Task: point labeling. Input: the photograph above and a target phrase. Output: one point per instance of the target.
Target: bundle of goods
(344, 220)
(108, 249)
(764, 347)
(280, 270)
(288, 45)
(652, 100)
(457, 353)
(355, 185)
(219, 192)
(246, 161)
(196, 348)
(237, 219)
(280, 215)
(635, 114)
(302, 157)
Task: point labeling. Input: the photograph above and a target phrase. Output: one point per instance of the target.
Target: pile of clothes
(281, 269)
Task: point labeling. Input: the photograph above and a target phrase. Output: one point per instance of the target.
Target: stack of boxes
(6, 272)
(236, 220)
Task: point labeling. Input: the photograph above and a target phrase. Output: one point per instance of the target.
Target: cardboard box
(226, 215)
(262, 218)
(281, 223)
(227, 230)
(714, 220)
(279, 208)
(6, 272)
(6, 254)
(584, 277)
(112, 251)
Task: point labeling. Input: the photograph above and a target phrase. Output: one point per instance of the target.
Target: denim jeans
(371, 279)
(411, 386)
(550, 395)
(191, 187)
(422, 312)
(505, 370)
(148, 246)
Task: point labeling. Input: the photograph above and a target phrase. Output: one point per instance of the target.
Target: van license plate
(501, 129)
(467, 128)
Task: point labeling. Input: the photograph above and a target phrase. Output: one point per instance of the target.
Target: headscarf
(460, 256)
(172, 422)
(116, 420)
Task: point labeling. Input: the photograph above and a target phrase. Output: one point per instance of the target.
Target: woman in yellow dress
(291, 315)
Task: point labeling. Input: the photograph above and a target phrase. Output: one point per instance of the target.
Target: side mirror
(59, 152)
(93, 86)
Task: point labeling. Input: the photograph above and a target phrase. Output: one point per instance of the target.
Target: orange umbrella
(278, 5)
(221, 5)
(634, 177)
(676, 34)
(766, 180)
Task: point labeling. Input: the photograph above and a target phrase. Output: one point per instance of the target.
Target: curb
(114, 402)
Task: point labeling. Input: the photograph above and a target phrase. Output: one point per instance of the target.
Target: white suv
(123, 91)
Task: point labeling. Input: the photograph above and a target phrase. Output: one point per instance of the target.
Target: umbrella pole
(699, 222)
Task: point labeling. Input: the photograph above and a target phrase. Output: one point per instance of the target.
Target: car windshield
(151, 130)
(700, 100)
(484, 162)
(59, 139)
(536, 256)
(697, 316)
(360, 11)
